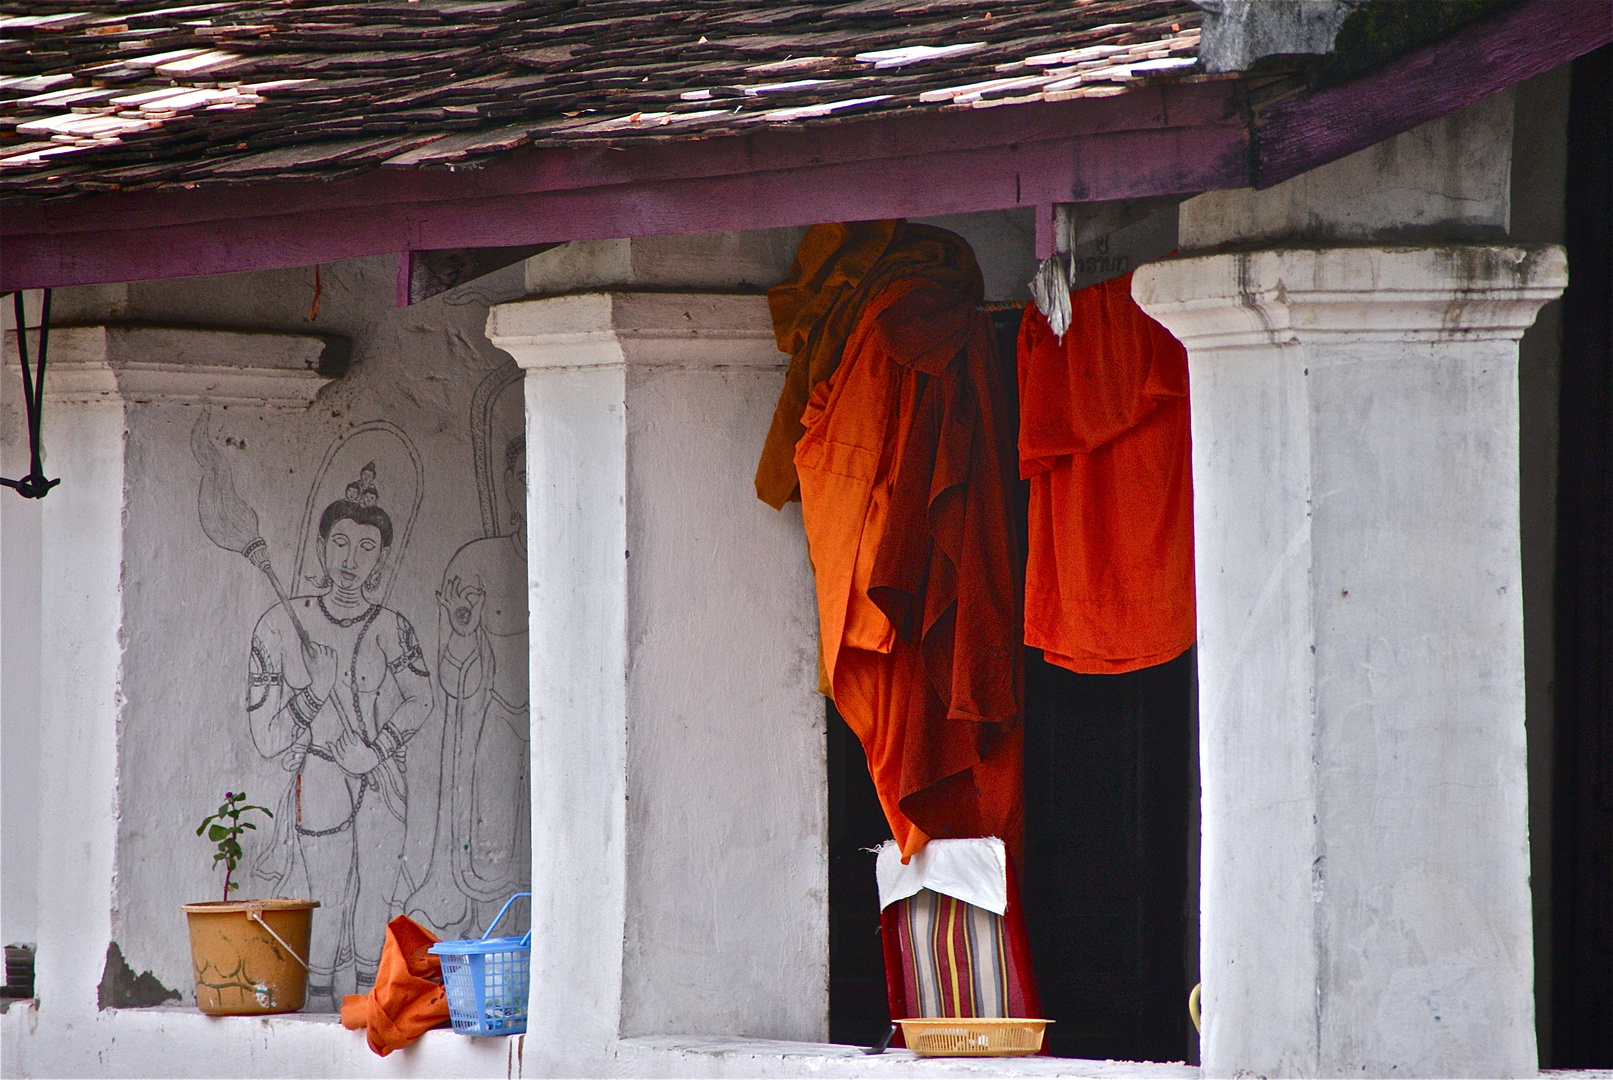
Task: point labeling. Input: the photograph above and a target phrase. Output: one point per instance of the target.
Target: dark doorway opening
(1582, 792)
(1105, 882)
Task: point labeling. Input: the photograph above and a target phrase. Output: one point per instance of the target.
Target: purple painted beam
(1166, 162)
(1160, 140)
(1297, 134)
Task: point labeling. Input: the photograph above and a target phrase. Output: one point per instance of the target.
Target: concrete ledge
(674, 1056)
(181, 1042)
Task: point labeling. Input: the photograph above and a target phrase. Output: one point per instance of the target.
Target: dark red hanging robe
(905, 470)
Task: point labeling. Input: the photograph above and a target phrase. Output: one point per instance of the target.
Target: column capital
(1301, 296)
(177, 366)
(637, 329)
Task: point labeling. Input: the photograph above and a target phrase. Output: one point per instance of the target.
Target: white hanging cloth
(974, 871)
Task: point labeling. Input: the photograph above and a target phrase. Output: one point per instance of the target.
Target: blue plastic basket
(487, 979)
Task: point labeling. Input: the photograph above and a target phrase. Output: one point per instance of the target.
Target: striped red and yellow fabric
(954, 957)
(948, 958)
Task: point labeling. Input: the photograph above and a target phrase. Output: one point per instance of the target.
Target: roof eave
(1172, 138)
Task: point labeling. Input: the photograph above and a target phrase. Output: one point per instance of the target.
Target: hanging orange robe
(904, 468)
(1104, 442)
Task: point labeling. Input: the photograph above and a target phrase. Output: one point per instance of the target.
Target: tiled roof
(133, 94)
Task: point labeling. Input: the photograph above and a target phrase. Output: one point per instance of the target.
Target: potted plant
(250, 956)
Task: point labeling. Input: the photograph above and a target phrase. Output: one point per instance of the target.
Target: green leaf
(217, 833)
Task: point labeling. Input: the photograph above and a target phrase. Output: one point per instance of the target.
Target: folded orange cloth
(407, 999)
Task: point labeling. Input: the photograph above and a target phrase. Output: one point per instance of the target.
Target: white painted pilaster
(81, 579)
(679, 866)
(1355, 468)
(19, 671)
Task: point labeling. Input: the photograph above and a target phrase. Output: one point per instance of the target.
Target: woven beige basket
(969, 1037)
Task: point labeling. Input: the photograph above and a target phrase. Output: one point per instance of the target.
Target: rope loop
(34, 485)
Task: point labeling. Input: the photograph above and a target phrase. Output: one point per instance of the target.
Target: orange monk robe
(408, 998)
(1104, 442)
(838, 269)
(904, 471)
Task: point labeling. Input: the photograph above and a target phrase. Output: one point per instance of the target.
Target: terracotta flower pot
(250, 956)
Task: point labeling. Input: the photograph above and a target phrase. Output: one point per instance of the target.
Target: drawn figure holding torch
(336, 687)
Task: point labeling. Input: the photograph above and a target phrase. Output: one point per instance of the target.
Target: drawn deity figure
(481, 848)
(482, 668)
(337, 686)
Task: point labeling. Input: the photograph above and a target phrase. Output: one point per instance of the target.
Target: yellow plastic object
(974, 1037)
(1193, 1008)
(250, 956)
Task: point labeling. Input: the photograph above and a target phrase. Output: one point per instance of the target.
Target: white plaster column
(679, 864)
(96, 378)
(81, 563)
(1355, 465)
(19, 669)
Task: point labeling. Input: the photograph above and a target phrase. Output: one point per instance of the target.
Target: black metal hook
(34, 485)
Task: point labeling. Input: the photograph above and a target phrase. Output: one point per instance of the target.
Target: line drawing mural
(479, 838)
(406, 760)
(337, 686)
